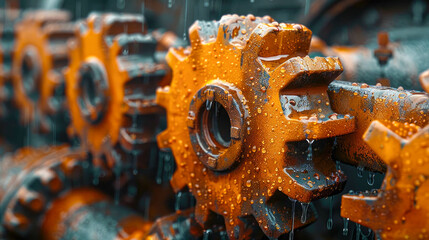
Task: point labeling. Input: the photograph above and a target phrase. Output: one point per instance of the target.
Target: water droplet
(304, 212)
(249, 183)
(330, 222)
(170, 3)
(206, 3)
(371, 177)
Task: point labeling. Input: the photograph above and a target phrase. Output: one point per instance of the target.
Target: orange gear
(399, 210)
(39, 58)
(110, 53)
(243, 100)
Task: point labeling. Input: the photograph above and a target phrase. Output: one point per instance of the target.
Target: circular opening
(30, 74)
(216, 125)
(92, 97)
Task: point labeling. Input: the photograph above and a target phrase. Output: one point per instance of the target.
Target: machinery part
(39, 59)
(399, 209)
(244, 99)
(111, 84)
(350, 29)
(47, 192)
(370, 103)
(30, 180)
(86, 213)
(424, 80)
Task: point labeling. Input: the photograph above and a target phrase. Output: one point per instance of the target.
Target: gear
(399, 210)
(39, 59)
(244, 99)
(111, 84)
(25, 196)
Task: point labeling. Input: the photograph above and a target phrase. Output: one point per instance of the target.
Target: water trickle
(170, 3)
(330, 222)
(178, 200)
(293, 218)
(358, 231)
(304, 212)
(186, 18)
(206, 3)
(310, 150)
(346, 226)
(252, 1)
(359, 171)
(209, 104)
(371, 178)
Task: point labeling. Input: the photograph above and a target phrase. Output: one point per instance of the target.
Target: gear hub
(111, 84)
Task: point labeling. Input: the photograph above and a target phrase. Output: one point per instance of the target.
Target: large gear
(111, 83)
(399, 209)
(39, 58)
(244, 99)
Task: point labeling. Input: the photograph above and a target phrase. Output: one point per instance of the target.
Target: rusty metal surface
(255, 74)
(399, 209)
(370, 103)
(40, 54)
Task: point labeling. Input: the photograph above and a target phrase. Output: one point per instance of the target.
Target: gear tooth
(177, 182)
(163, 139)
(163, 96)
(174, 57)
(201, 213)
(194, 35)
(386, 143)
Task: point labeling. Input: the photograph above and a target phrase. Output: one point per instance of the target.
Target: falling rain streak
(310, 150)
(293, 219)
(330, 222)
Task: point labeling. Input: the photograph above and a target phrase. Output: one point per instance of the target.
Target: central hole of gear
(30, 71)
(92, 99)
(216, 125)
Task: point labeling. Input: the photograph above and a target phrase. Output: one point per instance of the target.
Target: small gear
(111, 84)
(249, 123)
(39, 58)
(399, 210)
